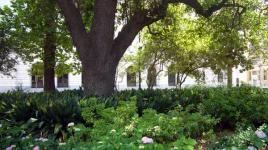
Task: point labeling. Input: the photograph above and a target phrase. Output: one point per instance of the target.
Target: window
(203, 76)
(151, 76)
(254, 82)
(265, 75)
(220, 77)
(37, 82)
(171, 79)
(63, 81)
(131, 77)
(237, 82)
(249, 76)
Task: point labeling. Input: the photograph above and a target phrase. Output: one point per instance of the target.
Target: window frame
(65, 84)
(131, 77)
(36, 80)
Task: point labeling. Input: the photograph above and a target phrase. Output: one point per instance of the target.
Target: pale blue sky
(4, 2)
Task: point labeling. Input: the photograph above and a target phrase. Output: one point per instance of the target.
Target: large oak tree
(100, 51)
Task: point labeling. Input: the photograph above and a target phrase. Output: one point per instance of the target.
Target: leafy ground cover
(192, 118)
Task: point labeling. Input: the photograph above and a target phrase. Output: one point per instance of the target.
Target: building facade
(22, 79)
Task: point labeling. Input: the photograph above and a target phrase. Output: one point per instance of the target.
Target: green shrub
(160, 100)
(170, 117)
(18, 133)
(115, 125)
(237, 106)
(52, 111)
(14, 105)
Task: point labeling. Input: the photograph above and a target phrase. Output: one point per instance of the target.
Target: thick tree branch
(102, 29)
(152, 32)
(199, 8)
(136, 23)
(74, 22)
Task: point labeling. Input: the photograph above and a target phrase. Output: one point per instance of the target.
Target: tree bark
(139, 79)
(99, 79)
(229, 76)
(49, 58)
(49, 63)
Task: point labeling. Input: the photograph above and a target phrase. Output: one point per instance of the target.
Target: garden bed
(192, 118)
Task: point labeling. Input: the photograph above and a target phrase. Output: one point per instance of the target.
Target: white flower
(141, 147)
(70, 124)
(147, 140)
(77, 129)
(252, 148)
(42, 139)
(60, 144)
(130, 128)
(124, 134)
(260, 134)
(8, 137)
(33, 119)
(26, 137)
(174, 118)
(0, 125)
(113, 131)
(157, 128)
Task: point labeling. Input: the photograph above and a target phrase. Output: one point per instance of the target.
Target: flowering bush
(121, 127)
(246, 139)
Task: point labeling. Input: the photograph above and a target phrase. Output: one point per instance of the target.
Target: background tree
(177, 44)
(149, 59)
(238, 36)
(100, 51)
(41, 35)
(188, 42)
(7, 48)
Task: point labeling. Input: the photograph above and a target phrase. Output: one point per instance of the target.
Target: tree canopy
(185, 42)
(7, 47)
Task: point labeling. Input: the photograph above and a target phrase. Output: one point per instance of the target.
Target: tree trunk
(139, 79)
(49, 63)
(50, 49)
(229, 76)
(99, 79)
(179, 84)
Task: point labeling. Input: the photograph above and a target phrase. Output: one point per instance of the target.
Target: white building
(23, 80)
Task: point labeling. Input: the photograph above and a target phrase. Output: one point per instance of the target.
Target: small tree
(238, 38)
(169, 42)
(7, 47)
(40, 34)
